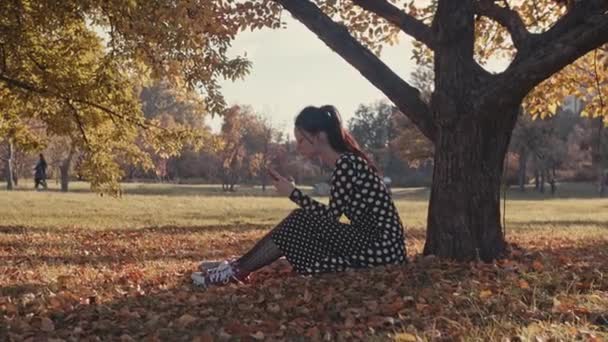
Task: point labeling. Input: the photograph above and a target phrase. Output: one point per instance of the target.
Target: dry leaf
(405, 337)
(421, 307)
(307, 296)
(392, 308)
(64, 281)
(55, 303)
(204, 337)
(126, 338)
(186, 320)
(258, 336)
(537, 266)
(46, 324)
(485, 294)
(313, 332)
(273, 307)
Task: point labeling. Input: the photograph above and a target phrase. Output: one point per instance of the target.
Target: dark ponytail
(327, 119)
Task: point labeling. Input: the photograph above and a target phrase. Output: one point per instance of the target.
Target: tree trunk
(464, 210)
(64, 169)
(536, 179)
(523, 160)
(9, 166)
(601, 185)
(131, 172)
(264, 180)
(541, 187)
(471, 142)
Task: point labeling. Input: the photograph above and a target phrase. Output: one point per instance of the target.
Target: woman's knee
(295, 218)
(297, 213)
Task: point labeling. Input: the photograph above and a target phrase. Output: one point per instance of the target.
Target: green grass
(158, 205)
(142, 206)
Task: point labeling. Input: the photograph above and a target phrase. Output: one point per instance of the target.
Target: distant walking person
(40, 173)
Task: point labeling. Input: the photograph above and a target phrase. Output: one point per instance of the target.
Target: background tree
(409, 143)
(18, 135)
(8, 164)
(394, 142)
(60, 153)
(591, 142)
(177, 109)
(56, 67)
(541, 144)
(372, 125)
(266, 141)
(472, 111)
(587, 80)
(246, 150)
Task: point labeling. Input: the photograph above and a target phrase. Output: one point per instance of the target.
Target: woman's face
(306, 143)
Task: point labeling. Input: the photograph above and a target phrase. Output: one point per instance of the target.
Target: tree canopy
(76, 68)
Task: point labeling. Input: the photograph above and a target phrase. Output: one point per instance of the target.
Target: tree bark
(9, 166)
(523, 160)
(470, 147)
(597, 159)
(464, 210)
(64, 169)
(541, 188)
(552, 180)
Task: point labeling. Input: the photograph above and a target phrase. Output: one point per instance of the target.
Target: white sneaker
(222, 274)
(209, 264)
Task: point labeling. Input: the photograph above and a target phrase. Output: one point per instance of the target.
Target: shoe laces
(222, 273)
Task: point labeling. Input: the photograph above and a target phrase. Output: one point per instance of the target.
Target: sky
(292, 69)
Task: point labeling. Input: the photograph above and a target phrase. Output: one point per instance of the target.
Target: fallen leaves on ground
(134, 285)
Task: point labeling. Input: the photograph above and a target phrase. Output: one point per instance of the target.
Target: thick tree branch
(79, 123)
(2, 58)
(506, 17)
(19, 84)
(337, 37)
(407, 23)
(582, 30)
(579, 14)
(45, 92)
(598, 83)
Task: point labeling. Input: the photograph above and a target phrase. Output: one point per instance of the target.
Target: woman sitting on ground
(312, 238)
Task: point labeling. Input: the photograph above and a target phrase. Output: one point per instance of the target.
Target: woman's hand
(283, 185)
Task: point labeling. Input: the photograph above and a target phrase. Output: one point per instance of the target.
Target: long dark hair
(326, 119)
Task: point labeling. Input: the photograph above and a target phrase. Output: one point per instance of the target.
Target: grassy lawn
(76, 266)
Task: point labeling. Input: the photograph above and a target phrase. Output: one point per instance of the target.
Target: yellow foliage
(77, 68)
(586, 78)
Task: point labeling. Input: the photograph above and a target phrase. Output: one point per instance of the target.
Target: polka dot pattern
(314, 241)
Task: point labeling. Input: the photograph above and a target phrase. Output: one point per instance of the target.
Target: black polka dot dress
(314, 240)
